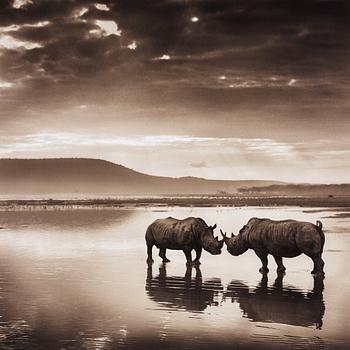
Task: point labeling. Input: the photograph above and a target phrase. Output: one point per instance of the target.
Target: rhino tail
(319, 229)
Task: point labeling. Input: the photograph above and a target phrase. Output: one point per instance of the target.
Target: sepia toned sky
(226, 89)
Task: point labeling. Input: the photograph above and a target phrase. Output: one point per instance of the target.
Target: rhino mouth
(232, 252)
(215, 252)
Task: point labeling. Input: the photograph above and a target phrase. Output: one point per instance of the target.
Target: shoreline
(203, 201)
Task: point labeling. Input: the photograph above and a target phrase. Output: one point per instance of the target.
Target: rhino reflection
(184, 293)
(279, 305)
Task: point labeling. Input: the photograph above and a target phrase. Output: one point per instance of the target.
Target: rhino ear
(232, 235)
(214, 227)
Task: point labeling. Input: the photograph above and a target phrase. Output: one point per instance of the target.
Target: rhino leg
(318, 266)
(188, 256)
(264, 261)
(162, 252)
(198, 256)
(149, 253)
(280, 267)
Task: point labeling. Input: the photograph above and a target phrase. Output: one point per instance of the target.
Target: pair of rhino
(286, 238)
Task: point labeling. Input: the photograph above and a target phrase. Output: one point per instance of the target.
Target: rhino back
(173, 233)
(285, 238)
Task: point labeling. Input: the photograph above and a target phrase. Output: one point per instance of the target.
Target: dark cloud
(281, 60)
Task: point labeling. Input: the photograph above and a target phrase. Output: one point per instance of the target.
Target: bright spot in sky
(132, 46)
(223, 77)
(15, 27)
(164, 57)
(10, 28)
(106, 28)
(102, 7)
(292, 82)
(39, 24)
(5, 84)
(81, 12)
(19, 3)
(8, 42)
(194, 19)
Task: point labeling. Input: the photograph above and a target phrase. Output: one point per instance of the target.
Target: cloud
(5, 84)
(181, 155)
(199, 164)
(132, 46)
(162, 58)
(20, 3)
(102, 7)
(269, 147)
(106, 28)
(80, 12)
(8, 38)
(8, 42)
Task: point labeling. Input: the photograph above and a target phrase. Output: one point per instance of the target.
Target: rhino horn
(214, 227)
(224, 238)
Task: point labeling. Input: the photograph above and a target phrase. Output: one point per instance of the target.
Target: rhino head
(210, 243)
(236, 245)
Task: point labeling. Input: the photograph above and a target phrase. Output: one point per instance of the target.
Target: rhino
(190, 293)
(279, 304)
(285, 238)
(186, 235)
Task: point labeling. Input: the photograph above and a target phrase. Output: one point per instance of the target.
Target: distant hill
(299, 190)
(94, 176)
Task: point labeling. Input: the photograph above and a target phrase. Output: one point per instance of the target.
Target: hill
(94, 176)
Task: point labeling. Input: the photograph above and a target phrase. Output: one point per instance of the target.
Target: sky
(221, 89)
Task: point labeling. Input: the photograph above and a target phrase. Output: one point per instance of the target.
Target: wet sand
(77, 279)
(69, 202)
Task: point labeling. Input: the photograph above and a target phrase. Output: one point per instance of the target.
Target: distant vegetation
(298, 190)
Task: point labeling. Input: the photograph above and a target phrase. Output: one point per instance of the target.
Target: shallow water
(78, 279)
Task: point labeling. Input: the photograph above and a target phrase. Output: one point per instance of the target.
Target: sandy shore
(181, 201)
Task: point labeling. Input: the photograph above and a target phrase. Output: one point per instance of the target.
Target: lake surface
(78, 279)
